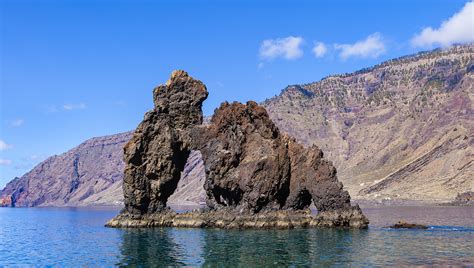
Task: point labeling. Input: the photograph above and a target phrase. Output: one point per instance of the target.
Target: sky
(73, 70)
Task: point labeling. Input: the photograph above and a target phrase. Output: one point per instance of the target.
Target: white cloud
(5, 162)
(17, 122)
(4, 145)
(457, 29)
(288, 48)
(80, 106)
(371, 47)
(260, 65)
(319, 49)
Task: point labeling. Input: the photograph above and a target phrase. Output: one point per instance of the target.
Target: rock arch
(250, 166)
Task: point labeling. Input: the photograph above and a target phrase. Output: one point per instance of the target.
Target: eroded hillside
(400, 130)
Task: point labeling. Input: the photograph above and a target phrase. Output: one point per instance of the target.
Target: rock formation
(246, 159)
(160, 146)
(314, 178)
(253, 172)
(405, 225)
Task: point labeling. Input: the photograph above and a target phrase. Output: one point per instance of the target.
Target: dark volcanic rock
(246, 159)
(159, 148)
(251, 168)
(312, 177)
(406, 225)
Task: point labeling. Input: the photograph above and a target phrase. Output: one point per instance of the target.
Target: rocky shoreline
(228, 219)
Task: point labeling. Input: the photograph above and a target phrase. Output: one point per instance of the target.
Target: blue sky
(72, 70)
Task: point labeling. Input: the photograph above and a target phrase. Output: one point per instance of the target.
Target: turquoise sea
(77, 237)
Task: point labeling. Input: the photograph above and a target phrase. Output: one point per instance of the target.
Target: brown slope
(89, 174)
(381, 126)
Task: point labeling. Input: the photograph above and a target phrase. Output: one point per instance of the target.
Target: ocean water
(77, 237)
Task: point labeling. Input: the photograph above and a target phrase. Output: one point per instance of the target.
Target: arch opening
(189, 193)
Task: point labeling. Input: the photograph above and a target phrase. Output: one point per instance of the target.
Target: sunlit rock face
(246, 159)
(157, 153)
(252, 170)
(313, 178)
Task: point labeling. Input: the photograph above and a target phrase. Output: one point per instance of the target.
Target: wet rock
(227, 219)
(406, 225)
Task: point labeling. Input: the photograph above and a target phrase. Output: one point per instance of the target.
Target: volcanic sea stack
(256, 177)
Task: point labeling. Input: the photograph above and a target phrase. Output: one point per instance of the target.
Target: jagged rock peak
(181, 97)
(157, 153)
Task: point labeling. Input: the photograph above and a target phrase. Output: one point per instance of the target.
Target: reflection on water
(296, 247)
(165, 246)
(66, 237)
(279, 247)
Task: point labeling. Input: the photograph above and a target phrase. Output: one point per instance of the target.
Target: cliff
(91, 174)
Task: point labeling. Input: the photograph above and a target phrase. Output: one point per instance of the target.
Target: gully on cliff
(256, 177)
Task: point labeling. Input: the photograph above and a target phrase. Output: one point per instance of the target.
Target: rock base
(226, 219)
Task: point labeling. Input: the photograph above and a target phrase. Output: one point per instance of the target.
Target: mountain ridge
(396, 112)
(387, 128)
